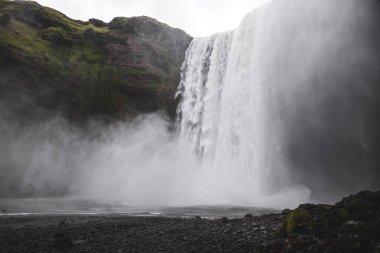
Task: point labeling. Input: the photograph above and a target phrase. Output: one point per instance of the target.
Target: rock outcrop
(52, 64)
(351, 225)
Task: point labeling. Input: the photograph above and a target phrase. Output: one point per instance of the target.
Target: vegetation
(86, 70)
(352, 225)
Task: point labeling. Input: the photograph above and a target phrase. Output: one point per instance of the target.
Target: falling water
(223, 114)
(249, 95)
(283, 106)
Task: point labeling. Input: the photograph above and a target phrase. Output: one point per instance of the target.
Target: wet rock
(62, 223)
(351, 223)
(79, 242)
(248, 216)
(224, 220)
(323, 230)
(62, 241)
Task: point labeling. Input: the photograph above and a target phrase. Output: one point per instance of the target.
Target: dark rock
(352, 225)
(97, 22)
(79, 242)
(248, 216)
(307, 206)
(119, 23)
(4, 210)
(58, 36)
(320, 228)
(4, 18)
(62, 241)
(224, 220)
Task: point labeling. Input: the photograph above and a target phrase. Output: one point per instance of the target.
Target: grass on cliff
(18, 35)
(54, 17)
(63, 58)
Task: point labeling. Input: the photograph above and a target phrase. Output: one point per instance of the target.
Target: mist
(136, 162)
(324, 92)
(287, 100)
(280, 111)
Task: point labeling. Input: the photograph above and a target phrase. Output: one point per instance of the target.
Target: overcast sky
(196, 17)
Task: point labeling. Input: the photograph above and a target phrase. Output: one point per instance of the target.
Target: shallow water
(70, 206)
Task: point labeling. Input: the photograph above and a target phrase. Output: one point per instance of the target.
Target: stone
(248, 216)
(62, 241)
(224, 220)
(4, 18)
(351, 223)
(97, 22)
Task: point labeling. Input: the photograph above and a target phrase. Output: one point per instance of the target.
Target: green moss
(55, 18)
(20, 36)
(343, 212)
(71, 67)
(295, 218)
(118, 23)
(282, 229)
(58, 36)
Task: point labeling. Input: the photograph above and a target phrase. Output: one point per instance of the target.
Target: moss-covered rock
(351, 225)
(58, 36)
(298, 221)
(378, 248)
(4, 18)
(52, 64)
(97, 22)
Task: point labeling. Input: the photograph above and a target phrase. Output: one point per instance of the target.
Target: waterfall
(223, 113)
(265, 99)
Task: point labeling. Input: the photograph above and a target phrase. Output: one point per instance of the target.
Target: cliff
(52, 64)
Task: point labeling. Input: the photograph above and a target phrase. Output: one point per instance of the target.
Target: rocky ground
(135, 234)
(352, 225)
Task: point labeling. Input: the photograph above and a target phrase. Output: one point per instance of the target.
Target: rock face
(351, 225)
(84, 70)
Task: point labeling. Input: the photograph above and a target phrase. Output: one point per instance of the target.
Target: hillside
(51, 64)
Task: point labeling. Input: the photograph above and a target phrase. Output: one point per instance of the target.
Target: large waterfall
(280, 111)
(225, 111)
(277, 94)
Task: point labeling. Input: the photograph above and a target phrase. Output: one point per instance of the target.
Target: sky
(197, 17)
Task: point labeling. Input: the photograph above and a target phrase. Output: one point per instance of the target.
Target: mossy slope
(52, 64)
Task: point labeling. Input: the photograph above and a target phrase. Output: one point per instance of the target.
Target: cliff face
(52, 64)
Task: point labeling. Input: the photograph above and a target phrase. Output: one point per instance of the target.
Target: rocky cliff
(52, 64)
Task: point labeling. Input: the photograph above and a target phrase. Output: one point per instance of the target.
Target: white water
(224, 113)
(237, 86)
(243, 93)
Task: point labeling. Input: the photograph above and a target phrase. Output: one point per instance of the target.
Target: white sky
(196, 17)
